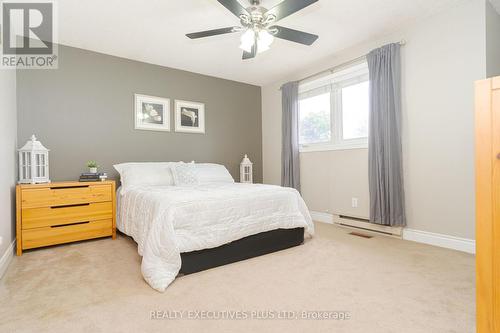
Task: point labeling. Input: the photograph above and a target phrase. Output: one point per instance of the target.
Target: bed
(188, 217)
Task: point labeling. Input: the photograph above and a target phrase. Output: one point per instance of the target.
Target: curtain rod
(331, 70)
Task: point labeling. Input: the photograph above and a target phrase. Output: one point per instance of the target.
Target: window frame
(334, 83)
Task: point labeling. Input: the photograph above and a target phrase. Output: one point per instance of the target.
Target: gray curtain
(290, 173)
(387, 204)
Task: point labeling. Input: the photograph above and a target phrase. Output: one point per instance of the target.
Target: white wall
(444, 55)
(331, 179)
(8, 134)
(492, 41)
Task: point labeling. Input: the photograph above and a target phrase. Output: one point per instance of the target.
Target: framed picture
(152, 113)
(189, 117)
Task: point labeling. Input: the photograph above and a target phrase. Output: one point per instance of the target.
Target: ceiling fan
(258, 25)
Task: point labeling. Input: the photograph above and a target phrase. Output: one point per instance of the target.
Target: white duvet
(168, 220)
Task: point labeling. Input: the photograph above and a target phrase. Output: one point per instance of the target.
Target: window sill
(320, 148)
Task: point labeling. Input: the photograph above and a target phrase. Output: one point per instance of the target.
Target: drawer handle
(68, 224)
(67, 187)
(68, 206)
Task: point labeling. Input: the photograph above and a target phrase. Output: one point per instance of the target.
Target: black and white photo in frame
(152, 113)
(189, 117)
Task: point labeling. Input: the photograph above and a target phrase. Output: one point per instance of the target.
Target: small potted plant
(92, 165)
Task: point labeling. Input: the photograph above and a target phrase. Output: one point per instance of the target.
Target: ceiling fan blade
(293, 35)
(288, 7)
(215, 32)
(234, 7)
(252, 54)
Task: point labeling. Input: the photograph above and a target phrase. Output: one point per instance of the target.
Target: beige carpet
(386, 285)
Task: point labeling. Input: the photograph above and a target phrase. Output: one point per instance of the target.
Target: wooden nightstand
(63, 212)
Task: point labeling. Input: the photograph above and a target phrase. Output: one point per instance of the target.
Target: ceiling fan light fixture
(257, 25)
(247, 40)
(264, 41)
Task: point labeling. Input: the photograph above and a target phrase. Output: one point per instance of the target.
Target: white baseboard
(322, 217)
(7, 258)
(449, 242)
(425, 237)
(367, 226)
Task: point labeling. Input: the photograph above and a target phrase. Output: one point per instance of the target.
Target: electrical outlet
(354, 202)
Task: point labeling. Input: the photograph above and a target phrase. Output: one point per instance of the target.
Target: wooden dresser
(56, 213)
(488, 205)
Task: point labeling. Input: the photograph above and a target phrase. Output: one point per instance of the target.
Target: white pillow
(213, 173)
(154, 173)
(184, 174)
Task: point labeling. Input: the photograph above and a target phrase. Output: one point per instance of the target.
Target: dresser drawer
(64, 212)
(32, 238)
(57, 215)
(60, 196)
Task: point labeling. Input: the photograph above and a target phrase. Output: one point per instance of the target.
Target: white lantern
(33, 163)
(246, 173)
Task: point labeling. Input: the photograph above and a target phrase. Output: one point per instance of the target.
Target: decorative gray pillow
(184, 174)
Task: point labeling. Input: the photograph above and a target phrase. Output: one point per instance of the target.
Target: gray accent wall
(85, 111)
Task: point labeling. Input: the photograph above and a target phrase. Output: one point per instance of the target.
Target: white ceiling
(154, 31)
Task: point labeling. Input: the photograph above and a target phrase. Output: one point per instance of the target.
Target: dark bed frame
(245, 248)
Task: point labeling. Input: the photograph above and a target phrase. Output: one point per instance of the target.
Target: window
(355, 111)
(333, 110)
(314, 119)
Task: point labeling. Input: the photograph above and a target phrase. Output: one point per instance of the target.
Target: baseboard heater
(364, 224)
